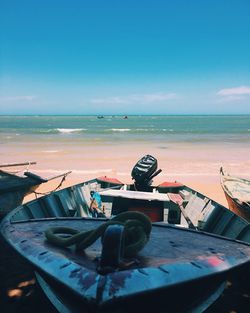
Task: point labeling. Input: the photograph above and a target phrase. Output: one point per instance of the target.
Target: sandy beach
(197, 166)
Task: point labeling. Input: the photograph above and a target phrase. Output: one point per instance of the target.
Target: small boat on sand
(16, 184)
(175, 261)
(159, 244)
(237, 192)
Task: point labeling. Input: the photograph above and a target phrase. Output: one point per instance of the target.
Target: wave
(167, 130)
(140, 130)
(120, 129)
(70, 130)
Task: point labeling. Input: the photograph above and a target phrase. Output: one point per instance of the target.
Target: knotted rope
(137, 228)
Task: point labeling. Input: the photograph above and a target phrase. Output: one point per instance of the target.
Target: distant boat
(237, 192)
(125, 117)
(100, 116)
(15, 186)
(193, 260)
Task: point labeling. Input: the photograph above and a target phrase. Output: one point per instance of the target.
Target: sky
(124, 57)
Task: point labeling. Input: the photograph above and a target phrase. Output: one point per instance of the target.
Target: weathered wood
(140, 195)
(17, 164)
(60, 175)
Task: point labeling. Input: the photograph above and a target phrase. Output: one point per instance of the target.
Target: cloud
(17, 98)
(242, 90)
(135, 98)
(109, 100)
(230, 99)
(233, 94)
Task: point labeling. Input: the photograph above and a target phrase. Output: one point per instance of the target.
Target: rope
(55, 189)
(137, 228)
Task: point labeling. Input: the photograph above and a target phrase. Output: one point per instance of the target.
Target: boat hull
(237, 193)
(195, 297)
(239, 209)
(176, 263)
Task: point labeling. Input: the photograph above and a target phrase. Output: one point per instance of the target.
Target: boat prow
(15, 185)
(175, 261)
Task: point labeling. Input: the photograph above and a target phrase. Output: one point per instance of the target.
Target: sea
(179, 128)
(191, 145)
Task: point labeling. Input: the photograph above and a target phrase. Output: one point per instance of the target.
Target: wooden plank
(17, 164)
(140, 195)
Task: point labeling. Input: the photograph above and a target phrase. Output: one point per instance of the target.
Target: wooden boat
(237, 192)
(176, 262)
(14, 187)
(194, 245)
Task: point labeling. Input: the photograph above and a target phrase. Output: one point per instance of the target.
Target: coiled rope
(137, 228)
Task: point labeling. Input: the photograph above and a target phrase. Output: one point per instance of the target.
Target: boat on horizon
(237, 193)
(15, 184)
(194, 246)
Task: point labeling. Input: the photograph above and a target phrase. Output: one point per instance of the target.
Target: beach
(190, 150)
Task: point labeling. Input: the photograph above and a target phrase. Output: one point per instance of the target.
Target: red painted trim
(170, 184)
(110, 180)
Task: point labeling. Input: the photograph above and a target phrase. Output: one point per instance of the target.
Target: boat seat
(195, 208)
(52, 208)
(85, 189)
(36, 210)
(82, 196)
(65, 202)
(223, 222)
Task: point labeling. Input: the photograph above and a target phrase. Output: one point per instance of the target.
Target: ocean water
(191, 147)
(232, 129)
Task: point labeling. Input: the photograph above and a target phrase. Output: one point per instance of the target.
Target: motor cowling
(143, 172)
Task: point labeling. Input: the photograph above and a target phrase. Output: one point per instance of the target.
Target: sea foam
(120, 129)
(70, 130)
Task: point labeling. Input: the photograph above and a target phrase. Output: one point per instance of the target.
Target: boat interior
(171, 203)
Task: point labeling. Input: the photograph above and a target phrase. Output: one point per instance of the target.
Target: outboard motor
(144, 171)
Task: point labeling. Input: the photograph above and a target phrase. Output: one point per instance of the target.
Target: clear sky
(124, 57)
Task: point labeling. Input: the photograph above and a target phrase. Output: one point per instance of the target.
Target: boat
(16, 184)
(237, 193)
(175, 262)
(194, 245)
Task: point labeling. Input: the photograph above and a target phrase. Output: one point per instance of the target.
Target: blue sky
(125, 57)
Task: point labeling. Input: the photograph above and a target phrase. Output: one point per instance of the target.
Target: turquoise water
(190, 145)
(190, 128)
